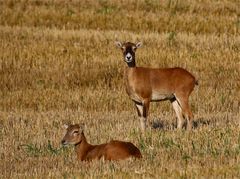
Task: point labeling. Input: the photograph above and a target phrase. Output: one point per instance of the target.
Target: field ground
(59, 64)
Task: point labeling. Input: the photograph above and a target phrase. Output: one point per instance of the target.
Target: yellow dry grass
(59, 63)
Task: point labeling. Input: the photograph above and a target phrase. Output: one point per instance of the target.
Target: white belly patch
(157, 96)
(136, 98)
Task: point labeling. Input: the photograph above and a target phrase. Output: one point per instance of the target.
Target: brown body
(114, 150)
(157, 84)
(145, 85)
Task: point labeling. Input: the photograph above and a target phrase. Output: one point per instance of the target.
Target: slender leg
(178, 111)
(143, 122)
(139, 109)
(189, 117)
(183, 101)
(146, 108)
(142, 113)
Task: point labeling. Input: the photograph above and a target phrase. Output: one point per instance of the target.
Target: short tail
(196, 82)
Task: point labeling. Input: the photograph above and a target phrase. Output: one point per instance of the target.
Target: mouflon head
(129, 50)
(74, 134)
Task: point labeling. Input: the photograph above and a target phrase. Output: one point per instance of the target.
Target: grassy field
(59, 64)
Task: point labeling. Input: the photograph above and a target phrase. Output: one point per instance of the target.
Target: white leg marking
(189, 123)
(143, 123)
(178, 111)
(142, 119)
(178, 101)
(185, 113)
(140, 109)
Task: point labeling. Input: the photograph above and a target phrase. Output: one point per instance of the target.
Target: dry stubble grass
(60, 65)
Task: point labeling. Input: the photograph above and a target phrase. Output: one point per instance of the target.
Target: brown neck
(82, 148)
(128, 69)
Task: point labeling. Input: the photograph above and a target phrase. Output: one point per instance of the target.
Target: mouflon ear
(65, 126)
(118, 44)
(139, 44)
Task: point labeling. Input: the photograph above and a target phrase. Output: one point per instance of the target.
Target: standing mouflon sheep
(145, 85)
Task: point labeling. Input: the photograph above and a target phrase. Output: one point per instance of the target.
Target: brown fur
(114, 150)
(145, 85)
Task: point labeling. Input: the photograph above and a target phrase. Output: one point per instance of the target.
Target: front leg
(142, 109)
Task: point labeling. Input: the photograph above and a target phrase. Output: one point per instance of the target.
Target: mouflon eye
(134, 48)
(75, 132)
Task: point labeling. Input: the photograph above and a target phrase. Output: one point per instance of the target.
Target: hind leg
(189, 117)
(178, 111)
(183, 101)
